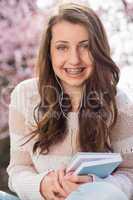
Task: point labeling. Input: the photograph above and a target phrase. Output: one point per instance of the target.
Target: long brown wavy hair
(98, 114)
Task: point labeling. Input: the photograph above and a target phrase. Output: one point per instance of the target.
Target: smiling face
(70, 56)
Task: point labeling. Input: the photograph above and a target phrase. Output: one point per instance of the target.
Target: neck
(75, 94)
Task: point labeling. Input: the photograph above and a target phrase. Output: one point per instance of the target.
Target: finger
(52, 196)
(60, 190)
(78, 179)
(61, 175)
(52, 181)
(69, 186)
(66, 187)
(58, 186)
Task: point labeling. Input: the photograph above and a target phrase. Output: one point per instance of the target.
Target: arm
(23, 177)
(122, 141)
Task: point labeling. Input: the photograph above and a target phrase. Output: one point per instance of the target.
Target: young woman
(73, 105)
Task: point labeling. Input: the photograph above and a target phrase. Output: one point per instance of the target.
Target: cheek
(57, 64)
(57, 60)
(88, 59)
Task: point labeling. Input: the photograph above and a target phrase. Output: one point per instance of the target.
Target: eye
(84, 46)
(61, 47)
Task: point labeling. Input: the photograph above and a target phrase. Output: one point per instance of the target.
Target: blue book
(100, 164)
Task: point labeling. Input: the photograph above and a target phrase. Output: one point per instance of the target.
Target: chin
(75, 84)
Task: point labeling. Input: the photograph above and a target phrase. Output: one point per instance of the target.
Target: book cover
(100, 164)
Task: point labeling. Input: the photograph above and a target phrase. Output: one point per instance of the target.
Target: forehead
(67, 31)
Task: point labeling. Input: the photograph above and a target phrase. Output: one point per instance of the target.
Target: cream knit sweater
(26, 169)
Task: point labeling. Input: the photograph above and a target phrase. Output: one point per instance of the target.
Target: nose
(74, 56)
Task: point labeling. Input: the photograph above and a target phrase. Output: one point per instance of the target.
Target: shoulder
(25, 88)
(29, 85)
(24, 92)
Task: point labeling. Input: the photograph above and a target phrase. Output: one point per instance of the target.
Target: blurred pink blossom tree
(20, 24)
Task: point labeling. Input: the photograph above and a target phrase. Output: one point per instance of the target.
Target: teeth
(74, 71)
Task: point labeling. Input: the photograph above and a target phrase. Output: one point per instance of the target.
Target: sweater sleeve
(23, 177)
(122, 142)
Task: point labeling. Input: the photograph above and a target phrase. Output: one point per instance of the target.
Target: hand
(71, 182)
(51, 188)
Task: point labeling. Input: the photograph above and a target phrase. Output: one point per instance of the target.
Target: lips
(74, 71)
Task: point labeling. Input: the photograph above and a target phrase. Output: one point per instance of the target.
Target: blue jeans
(97, 191)
(6, 196)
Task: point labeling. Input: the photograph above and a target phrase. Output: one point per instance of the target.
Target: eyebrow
(66, 42)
